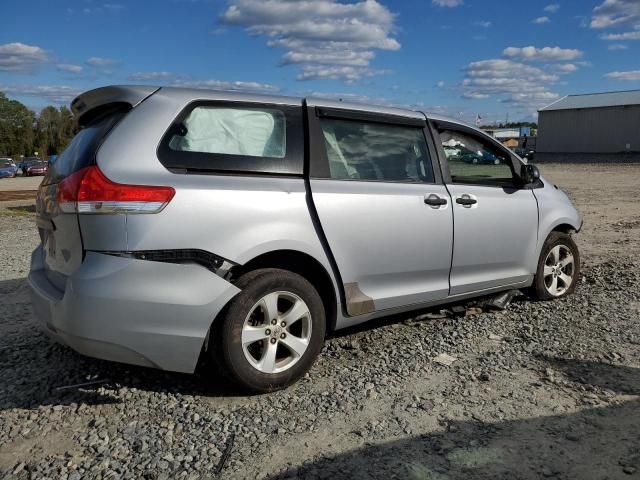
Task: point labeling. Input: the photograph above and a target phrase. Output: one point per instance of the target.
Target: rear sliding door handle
(435, 201)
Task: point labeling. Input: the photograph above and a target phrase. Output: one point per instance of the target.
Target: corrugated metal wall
(589, 130)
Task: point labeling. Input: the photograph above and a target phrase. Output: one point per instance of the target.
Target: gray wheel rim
(274, 340)
(559, 268)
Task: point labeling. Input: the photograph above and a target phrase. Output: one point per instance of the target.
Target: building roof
(595, 100)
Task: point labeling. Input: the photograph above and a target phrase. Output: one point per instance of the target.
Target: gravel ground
(541, 390)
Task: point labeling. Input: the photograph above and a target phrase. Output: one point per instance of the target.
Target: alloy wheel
(276, 332)
(558, 270)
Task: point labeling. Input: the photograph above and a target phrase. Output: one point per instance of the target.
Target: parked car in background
(34, 167)
(181, 223)
(481, 156)
(8, 169)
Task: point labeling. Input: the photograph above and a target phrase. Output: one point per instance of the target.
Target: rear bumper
(131, 311)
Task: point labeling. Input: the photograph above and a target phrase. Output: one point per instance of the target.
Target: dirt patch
(18, 195)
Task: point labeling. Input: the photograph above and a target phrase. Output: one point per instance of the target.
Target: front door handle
(466, 201)
(434, 200)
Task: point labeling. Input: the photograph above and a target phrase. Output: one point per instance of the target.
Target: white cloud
(447, 3)
(381, 101)
(226, 85)
(514, 80)
(525, 86)
(484, 23)
(336, 72)
(545, 54)
(97, 9)
(622, 36)
(177, 80)
(357, 58)
(101, 62)
(565, 68)
(618, 46)
(69, 68)
(440, 84)
(633, 75)
(147, 76)
(613, 13)
(19, 57)
(330, 39)
(541, 20)
(552, 8)
(60, 94)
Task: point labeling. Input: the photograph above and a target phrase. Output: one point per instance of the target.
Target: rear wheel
(271, 332)
(558, 267)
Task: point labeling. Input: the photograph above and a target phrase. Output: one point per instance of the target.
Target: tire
(547, 272)
(474, 161)
(250, 366)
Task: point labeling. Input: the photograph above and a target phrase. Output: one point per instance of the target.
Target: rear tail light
(89, 191)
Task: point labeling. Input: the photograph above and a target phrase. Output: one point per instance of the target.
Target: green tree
(68, 128)
(48, 131)
(22, 132)
(16, 128)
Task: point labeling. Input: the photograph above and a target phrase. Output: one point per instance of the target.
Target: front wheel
(558, 267)
(271, 332)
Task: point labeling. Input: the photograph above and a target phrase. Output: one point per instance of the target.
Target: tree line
(23, 133)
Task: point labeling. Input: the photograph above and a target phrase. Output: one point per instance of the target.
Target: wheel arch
(564, 228)
(304, 265)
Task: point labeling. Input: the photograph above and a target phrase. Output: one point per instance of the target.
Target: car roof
(134, 94)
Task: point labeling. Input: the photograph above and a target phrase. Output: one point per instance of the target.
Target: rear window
(81, 151)
(235, 137)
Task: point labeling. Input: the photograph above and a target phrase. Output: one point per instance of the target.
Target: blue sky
(459, 57)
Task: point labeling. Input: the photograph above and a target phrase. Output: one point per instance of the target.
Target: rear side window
(234, 137)
(361, 150)
(232, 131)
(81, 151)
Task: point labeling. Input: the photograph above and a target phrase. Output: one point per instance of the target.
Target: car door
(382, 207)
(495, 220)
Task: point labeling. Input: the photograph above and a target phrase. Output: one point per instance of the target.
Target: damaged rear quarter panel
(237, 217)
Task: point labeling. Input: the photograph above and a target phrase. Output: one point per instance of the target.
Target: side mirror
(529, 174)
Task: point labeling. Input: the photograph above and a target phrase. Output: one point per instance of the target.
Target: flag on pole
(478, 120)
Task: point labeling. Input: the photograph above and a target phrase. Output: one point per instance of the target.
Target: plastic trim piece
(218, 265)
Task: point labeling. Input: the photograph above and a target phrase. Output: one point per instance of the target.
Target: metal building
(592, 127)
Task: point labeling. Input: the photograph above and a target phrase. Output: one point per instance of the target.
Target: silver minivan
(185, 223)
